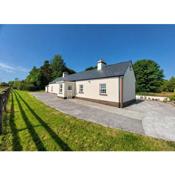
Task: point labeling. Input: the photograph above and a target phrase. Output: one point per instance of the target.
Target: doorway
(69, 91)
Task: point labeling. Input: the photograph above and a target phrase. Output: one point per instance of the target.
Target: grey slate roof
(113, 70)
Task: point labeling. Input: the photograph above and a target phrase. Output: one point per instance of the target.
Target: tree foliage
(169, 85)
(91, 68)
(149, 76)
(38, 78)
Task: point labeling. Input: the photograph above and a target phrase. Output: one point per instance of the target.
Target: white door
(69, 91)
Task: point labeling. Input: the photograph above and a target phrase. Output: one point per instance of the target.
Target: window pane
(61, 88)
(69, 87)
(81, 88)
(102, 88)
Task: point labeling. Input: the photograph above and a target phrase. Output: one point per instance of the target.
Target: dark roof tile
(113, 70)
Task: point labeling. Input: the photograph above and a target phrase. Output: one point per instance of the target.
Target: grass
(29, 125)
(161, 94)
(1, 88)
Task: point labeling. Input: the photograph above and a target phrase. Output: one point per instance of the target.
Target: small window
(51, 88)
(61, 89)
(81, 89)
(69, 87)
(102, 88)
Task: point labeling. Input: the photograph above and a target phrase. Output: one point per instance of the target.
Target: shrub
(172, 98)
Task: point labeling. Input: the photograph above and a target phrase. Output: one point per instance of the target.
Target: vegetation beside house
(161, 94)
(149, 76)
(150, 82)
(38, 78)
(30, 125)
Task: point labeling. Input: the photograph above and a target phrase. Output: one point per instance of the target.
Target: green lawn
(30, 125)
(1, 88)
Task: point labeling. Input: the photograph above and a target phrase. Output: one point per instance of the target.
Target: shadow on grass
(16, 139)
(55, 137)
(39, 144)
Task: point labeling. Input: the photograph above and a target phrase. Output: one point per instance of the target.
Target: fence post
(3, 102)
(1, 108)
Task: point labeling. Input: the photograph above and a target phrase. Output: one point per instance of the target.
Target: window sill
(103, 94)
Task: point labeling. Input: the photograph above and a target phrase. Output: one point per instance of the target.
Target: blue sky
(25, 46)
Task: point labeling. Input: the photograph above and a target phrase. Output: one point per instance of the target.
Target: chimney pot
(65, 74)
(100, 64)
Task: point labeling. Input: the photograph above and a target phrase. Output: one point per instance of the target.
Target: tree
(58, 67)
(91, 68)
(38, 78)
(149, 76)
(45, 74)
(10, 83)
(4, 84)
(164, 86)
(33, 75)
(169, 85)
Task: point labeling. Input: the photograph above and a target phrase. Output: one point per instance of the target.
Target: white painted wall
(46, 88)
(129, 83)
(54, 88)
(91, 89)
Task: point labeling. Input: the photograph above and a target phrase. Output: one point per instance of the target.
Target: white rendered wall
(91, 89)
(55, 88)
(129, 85)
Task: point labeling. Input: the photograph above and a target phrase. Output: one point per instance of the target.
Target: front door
(69, 91)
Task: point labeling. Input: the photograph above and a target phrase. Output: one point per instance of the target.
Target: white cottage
(108, 84)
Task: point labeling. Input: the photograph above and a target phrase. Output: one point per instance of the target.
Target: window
(61, 89)
(69, 87)
(102, 88)
(51, 88)
(81, 89)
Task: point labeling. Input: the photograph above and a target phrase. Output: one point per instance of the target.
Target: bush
(172, 98)
(30, 87)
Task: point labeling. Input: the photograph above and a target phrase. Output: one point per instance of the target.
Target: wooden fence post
(3, 102)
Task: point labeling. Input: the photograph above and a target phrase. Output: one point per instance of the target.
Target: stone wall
(152, 98)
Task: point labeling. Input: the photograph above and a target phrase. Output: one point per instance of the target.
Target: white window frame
(81, 89)
(60, 88)
(102, 89)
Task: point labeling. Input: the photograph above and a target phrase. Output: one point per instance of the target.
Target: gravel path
(149, 118)
(89, 113)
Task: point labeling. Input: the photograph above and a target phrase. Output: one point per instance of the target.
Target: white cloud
(11, 69)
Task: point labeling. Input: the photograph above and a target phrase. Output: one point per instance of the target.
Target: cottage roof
(113, 70)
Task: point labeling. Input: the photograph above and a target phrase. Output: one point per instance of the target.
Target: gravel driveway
(150, 118)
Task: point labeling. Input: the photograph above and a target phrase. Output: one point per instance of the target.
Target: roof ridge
(104, 73)
(104, 67)
(119, 63)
